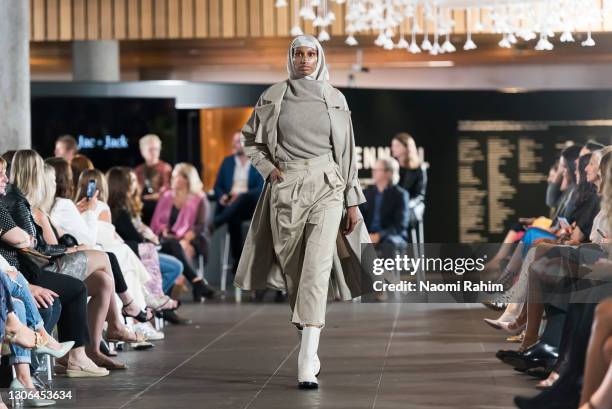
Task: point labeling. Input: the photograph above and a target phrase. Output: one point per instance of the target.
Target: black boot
(173, 318)
(563, 394)
(198, 291)
(202, 290)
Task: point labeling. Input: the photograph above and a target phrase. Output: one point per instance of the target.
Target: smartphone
(91, 189)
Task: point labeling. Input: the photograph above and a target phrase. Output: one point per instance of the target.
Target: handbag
(37, 258)
(68, 240)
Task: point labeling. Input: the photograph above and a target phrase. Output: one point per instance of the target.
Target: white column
(14, 75)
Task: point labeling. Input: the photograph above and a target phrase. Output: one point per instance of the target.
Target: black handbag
(68, 240)
(37, 258)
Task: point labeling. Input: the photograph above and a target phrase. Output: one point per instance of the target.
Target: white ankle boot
(307, 358)
(317, 361)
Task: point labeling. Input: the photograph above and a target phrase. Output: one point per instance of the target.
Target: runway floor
(382, 356)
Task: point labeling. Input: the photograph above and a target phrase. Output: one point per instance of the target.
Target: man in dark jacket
(237, 189)
(385, 211)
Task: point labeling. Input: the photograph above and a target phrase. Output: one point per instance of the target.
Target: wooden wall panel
(187, 19)
(283, 22)
(255, 18)
(79, 22)
(65, 18)
(214, 18)
(201, 20)
(120, 14)
(174, 20)
(38, 20)
(107, 23)
(268, 18)
(460, 21)
(133, 19)
(216, 131)
(146, 19)
(160, 22)
(93, 20)
(68, 20)
(337, 27)
(228, 13)
(52, 19)
(242, 18)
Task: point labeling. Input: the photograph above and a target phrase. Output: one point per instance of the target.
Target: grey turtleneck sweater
(304, 128)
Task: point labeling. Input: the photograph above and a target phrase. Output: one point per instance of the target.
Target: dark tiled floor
(382, 356)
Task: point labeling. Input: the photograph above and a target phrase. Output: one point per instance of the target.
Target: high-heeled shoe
(512, 327)
(142, 316)
(64, 348)
(13, 337)
(37, 403)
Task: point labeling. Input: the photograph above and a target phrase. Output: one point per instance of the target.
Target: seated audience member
(385, 211)
(135, 275)
(153, 175)
(565, 367)
(597, 383)
(125, 206)
(29, 190)
(80, 220)
(179, 220)
(237, 189)
(66, 147)
(15, 333)
(586, 208)
(412, 174)
(79, 164)
(46, 286)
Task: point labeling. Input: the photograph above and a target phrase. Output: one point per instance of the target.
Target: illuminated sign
(107, 142)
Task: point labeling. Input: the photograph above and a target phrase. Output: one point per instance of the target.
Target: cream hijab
(321, 73)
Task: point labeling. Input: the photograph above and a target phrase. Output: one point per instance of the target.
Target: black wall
(430, 116)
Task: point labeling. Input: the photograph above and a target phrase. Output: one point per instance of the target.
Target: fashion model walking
(306, 225)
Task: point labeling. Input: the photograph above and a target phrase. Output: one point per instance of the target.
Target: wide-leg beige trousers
(306, 210)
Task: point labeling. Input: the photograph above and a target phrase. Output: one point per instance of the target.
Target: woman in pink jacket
(179, 220)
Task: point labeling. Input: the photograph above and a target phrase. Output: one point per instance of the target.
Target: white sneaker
(150, 333)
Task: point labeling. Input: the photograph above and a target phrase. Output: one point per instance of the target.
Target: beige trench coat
(258, 267)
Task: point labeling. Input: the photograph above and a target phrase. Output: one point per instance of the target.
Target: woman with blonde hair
(47, 287)
(413, 176)
(90, 266)
(179, 220)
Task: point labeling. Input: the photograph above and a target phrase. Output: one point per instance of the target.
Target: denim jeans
(171, 268)
(26, 310)
(19, 355)
(19, 288)
(50, 316)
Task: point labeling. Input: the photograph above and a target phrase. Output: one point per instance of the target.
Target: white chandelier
(528, 20)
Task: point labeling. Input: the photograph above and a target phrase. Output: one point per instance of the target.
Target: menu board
(503, 168)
